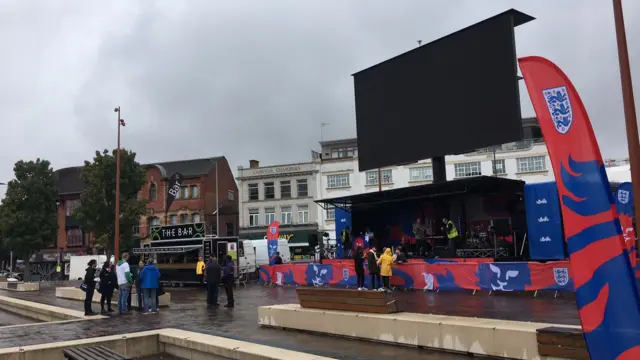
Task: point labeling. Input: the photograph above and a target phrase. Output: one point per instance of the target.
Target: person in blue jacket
(150, 282)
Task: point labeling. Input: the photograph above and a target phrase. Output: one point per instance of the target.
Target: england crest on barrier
(559, 107)
(561, 276)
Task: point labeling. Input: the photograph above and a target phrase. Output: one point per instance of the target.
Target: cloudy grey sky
(253, 79)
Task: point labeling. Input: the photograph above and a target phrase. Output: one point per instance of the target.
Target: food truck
(176, 249)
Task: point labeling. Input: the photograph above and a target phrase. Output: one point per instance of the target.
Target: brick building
(195, 203)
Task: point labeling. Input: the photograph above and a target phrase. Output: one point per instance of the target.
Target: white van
(262, 252)
(247, 256)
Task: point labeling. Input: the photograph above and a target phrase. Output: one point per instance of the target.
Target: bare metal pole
(217, 203)
(116, 239)
(631, 121)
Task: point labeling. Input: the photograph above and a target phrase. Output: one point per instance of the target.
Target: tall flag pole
(606, 294)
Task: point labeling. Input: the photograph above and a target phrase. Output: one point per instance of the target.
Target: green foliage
(96, 212)
(28, 213)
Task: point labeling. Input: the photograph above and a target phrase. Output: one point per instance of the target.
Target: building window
(254, 194)
(303, 189)
(230, 195)
(254, 217)
(285, 215)
(230, 230)
(184, 192)
(184, 219)
(269, 215)
(303, 214)
(71, 206)
(337, 181)
(154, 221)
(74, 237)
(195, 217)
(532, 164)
(498, 167)
(372, 177)
(195, 191)
(423, 173)
(331, 212)
(467, 169)
(344, 153)
(285, 189)
(269, 190)
(173, 220)
(153, 192)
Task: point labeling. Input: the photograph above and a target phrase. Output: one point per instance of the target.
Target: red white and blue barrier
(446, 274)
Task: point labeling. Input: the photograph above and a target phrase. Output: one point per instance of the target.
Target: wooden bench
(93, 353)
(564, 343)
(376, 302)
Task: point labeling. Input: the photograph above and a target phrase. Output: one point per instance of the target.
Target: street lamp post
(629, 105)
(116, 239)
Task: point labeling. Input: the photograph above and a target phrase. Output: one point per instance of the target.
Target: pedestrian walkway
(188, 311)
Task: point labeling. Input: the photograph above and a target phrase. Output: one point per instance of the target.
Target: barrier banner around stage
(606, 293)
(544, 222)
(516, 276)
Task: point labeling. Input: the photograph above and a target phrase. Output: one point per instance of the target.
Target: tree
(28, 213)
(96, 212)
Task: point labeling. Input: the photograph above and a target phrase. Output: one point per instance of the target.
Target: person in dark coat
(213, 275)
(90, 282)
(227, 280)
(108, 282)
(358, 259)
(278, 259)
(374, 270)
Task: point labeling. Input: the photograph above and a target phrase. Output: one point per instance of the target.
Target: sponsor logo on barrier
(279, 277)
(561, 276)
(345, 274)
(559, 107)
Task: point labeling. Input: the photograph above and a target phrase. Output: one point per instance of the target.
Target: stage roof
(473, 185)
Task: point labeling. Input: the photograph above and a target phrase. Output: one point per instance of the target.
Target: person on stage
(345, 236)
(452, 235)
(419, 232)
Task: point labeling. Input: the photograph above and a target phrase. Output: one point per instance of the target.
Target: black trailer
(176, 249)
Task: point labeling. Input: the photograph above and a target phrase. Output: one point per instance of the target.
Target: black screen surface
(451, 96)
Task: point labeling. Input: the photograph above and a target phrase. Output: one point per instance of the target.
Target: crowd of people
(147, 284)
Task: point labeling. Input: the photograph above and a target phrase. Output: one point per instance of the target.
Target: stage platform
(478, 336)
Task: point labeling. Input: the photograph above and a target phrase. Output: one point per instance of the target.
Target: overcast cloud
(254, 79)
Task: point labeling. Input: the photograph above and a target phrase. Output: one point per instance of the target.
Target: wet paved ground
(188, 312)
(7, 319)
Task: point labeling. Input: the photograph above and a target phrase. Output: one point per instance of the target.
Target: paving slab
(189, 312)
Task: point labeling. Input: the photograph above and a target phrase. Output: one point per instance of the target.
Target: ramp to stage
(488, 337)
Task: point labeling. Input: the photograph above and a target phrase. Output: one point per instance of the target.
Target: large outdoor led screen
(451, 96)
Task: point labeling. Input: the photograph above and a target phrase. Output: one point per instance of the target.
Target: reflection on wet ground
(188, 312)
(8, 319)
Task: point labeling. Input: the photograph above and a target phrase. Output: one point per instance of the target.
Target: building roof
(478, 185)
(68, 179)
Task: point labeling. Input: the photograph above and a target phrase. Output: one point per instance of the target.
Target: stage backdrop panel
(544, 222)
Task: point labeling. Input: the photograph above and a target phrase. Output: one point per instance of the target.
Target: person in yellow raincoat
(386, 262)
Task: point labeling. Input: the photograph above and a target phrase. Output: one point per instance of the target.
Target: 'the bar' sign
(178, 232)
